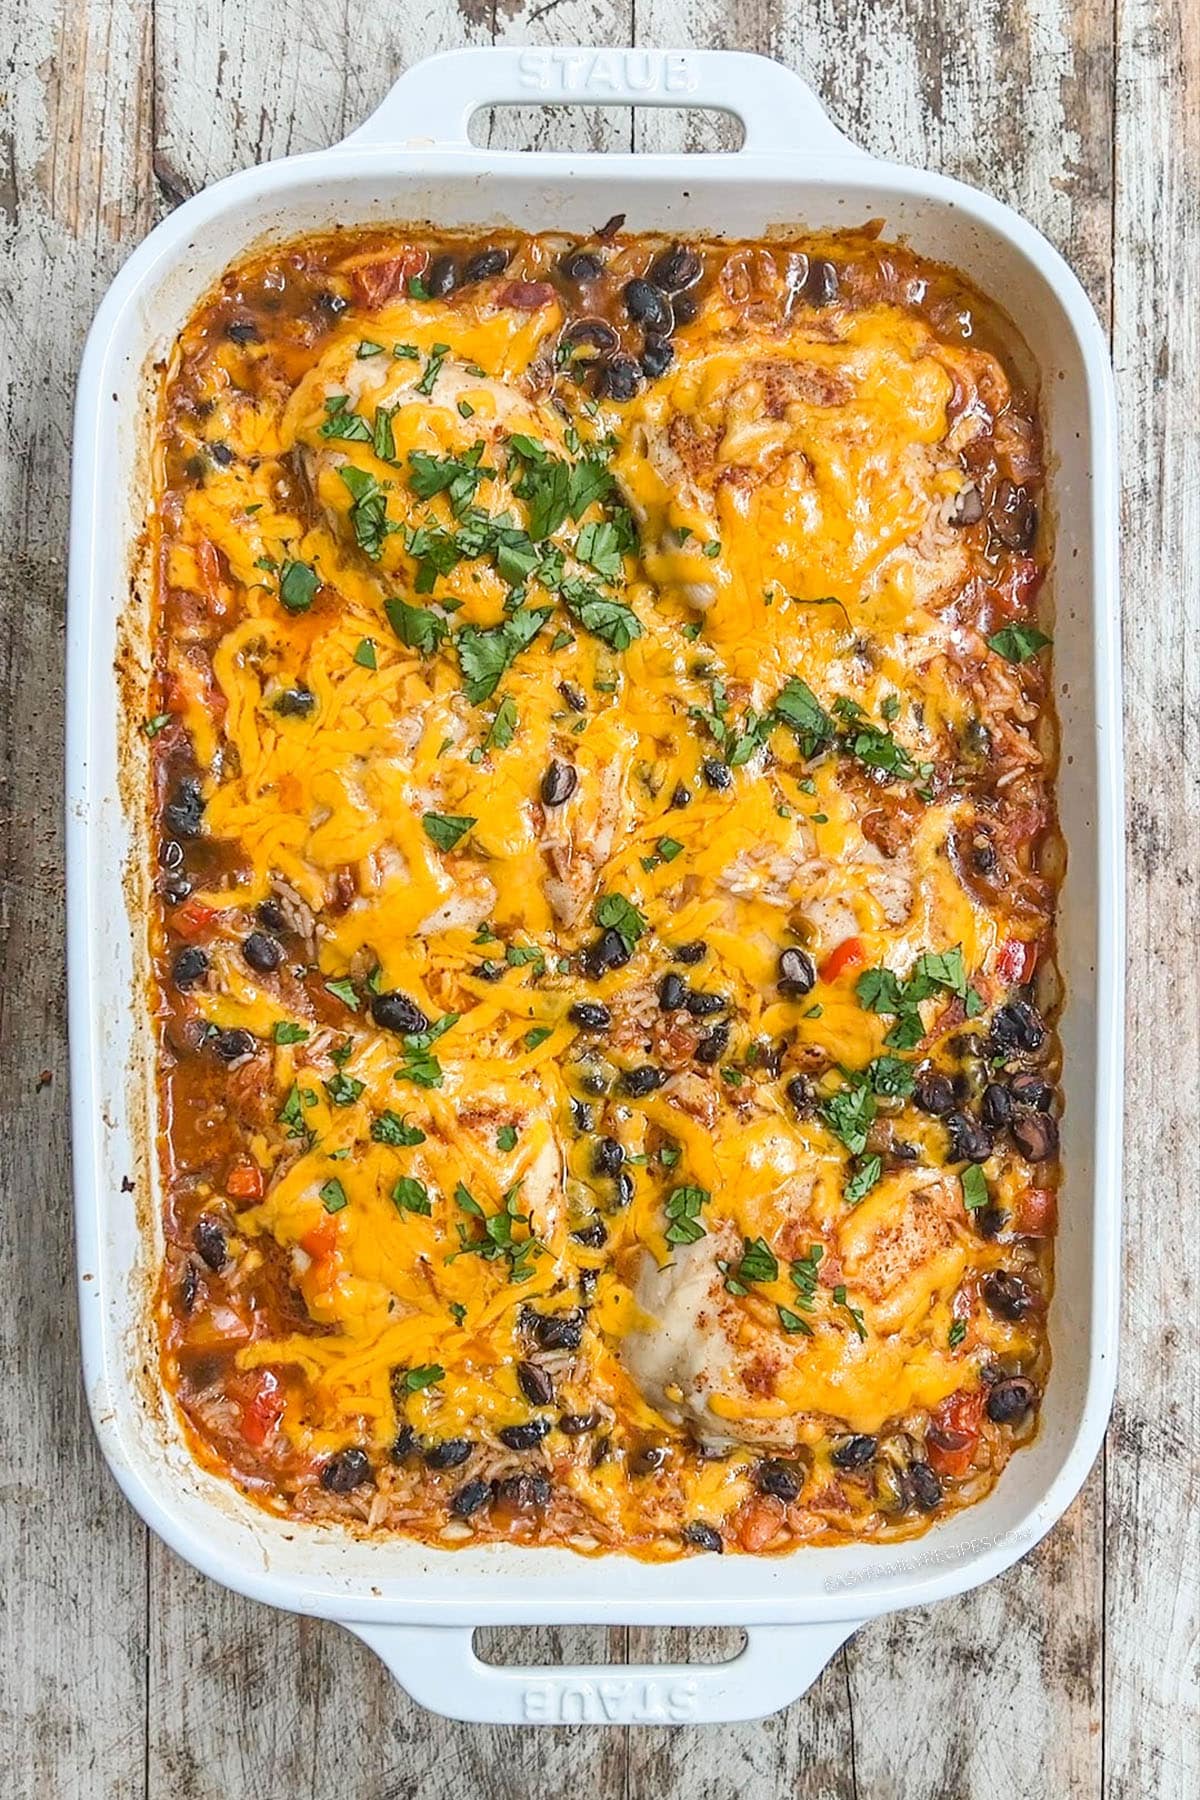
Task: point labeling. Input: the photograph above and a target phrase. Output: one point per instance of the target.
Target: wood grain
(125, 1673)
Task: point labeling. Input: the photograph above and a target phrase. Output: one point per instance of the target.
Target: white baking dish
(412, 160)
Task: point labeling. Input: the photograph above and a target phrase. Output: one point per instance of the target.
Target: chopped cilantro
(1017, 643)
(415, 626)
(682, 1208)
(503, 727)
(288, 1033)
(445, 829)
(333, 1196)
(484, 655)
(615, 913)
(856, 1318)
(410, 1195)
(343, 1090)
(506, 1138)
(849, 1114)
(368, 513)
(437, 356)
(390, 1128)
(343, 422)
(298, 582)
(537, 1035)
(364, 655)
(974, 1187)
(428, 1373)
(864, 1178)
(344, 991)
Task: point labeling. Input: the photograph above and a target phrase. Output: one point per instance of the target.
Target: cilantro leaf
(682, 1208)
(415, 626)
(343, 422)
(503, 727)
(849, 1114)
(484, 654)
(864, 1178)
(368, 514)
(426, 1375)
(298, 582)
(333, 1196)
(390, 1128)
(1017, 643)
(599, 545)
(445, 829)
(409, 1195)
(974, 1187)
(614, 912)
(287, 1033)
(610, 620)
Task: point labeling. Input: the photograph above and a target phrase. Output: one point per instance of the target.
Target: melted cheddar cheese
(603, 765)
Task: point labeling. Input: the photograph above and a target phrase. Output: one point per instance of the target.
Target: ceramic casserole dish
(413, 160)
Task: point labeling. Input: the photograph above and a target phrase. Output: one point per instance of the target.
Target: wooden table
(122, 1672)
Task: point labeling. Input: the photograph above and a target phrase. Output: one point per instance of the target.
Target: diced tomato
(954, 1432)
(263, 1408)
(244, 1181)
(377, 282)
(526, 296)
(321, 1240)
(849, 954)
(1035, 1212)
(192, 919)
(1015, 961)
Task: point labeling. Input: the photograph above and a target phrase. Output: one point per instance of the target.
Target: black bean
(485, 263)
(713, 1046)
(619, 379)
(802, 1094)
(1006, 1296)
(854, 1452)
(535, 1383)
(331, 303)
(170, 854)
(448, 1454)
(779, 1480)
(221, 454)
(675, 268)
(608, 1157)
(184, 811)
(557, 1331)
(404, 1444)
(1030, 1091)
(933, 1093)
(190, 966)
(649, 306)
(797, 973)
(703, 1537)
(702, 1005)
(924, 1486)
(581, 1114)
(672, 994)
(243, 331)
(609, 951)
(271, 914)
(1010, 1400)
(990, 1221)
(657, 356)
(345, 1471)
(681, 797)
(523, 1493)
(558, 783)
(294, 703)
(578, 1424)
(176, 887)
(624, 1188)
(233, 1046)
(441, 277)
(967, 508)
(639, 1082)
(524, 1437)
(575, 697)
(690, 954)
(996, 1106)
(716, 774)
(1016, 1026)
(595, 1083)
(684, 307)
(580, 265)
(589, 1280)
(1012, 516)
(189, 1287)
(470, 1498)
(396, 1012)
(209, 1240)
(262, 952)
(489, 971)
(597, 332)
(593, 1235)
(969, 1140)
(1036, 1136)
(648, 1459)
(590, 1015)
(821, 283)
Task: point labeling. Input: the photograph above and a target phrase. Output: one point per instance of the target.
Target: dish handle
(432, 104)
(437, 1666)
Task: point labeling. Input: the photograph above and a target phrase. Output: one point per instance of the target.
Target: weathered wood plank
(74, 162)
(1152, 1599)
